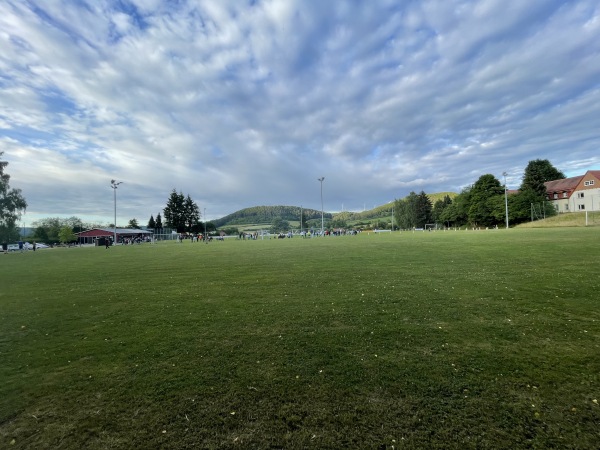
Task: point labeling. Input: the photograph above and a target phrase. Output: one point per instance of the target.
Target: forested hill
(384, 210)
(266, 214)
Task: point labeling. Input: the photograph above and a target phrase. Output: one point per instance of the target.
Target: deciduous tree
(278, 225)
(66, 235)
(487, 196)
(12, 205)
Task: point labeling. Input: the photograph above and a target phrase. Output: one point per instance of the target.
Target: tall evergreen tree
(423, 209)
(159, 224)
(151, 223)
(175, 211)
(413, 211)
(12, 204)
(191, 213)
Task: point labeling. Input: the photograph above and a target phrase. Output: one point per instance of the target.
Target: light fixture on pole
(321, 180)
(505, 199)
(114, 184)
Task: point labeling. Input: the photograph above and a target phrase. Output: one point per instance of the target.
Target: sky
(241, 103)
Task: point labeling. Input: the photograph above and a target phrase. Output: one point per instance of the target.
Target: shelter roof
(121, 231)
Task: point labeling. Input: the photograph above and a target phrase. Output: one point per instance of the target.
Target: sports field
(465, 339)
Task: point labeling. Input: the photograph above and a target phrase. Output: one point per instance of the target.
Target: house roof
(564, 185)
(596, 173)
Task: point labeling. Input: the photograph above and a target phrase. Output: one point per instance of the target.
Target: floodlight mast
(321, 180)
(114, 184)
(505, 199)
(205, 235)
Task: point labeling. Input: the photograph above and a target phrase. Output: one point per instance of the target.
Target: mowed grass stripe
(440, 339)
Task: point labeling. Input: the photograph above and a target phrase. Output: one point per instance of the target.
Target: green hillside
(574, 219)
(384, 210)
(266, 214)
(257, 215)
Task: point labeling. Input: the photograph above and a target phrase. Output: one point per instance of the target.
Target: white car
(38, 245)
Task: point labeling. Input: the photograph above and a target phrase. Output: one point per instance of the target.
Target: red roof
(564, 185)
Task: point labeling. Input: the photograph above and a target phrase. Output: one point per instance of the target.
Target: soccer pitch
(462, 339)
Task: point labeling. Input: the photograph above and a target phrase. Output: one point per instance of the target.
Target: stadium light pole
(321, 180)
(114, 184)
(505, 199)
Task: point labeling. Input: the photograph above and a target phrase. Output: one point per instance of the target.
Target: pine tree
(423, 209)
(151, 223)
(175, 211)
(191, 213)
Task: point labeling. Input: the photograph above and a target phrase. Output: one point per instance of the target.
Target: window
(565, 195)
(555, 196)
(588, 183)
(580, 195)
(580, 207)
(566, 207)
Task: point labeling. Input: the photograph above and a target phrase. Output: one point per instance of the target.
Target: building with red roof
(581, 193)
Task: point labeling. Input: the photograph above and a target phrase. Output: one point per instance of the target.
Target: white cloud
(239, 104)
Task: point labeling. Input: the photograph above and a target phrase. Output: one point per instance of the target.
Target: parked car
(38, 245)
(27, 246)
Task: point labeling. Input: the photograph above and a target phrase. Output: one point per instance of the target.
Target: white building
(575, 194)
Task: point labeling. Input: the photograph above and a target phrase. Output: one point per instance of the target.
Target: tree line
(482, 204)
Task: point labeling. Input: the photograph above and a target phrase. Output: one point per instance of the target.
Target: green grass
(463, 339)
(573, 219)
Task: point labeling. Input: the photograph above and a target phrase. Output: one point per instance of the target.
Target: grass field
(465, 339)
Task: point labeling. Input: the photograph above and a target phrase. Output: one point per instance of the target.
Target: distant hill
(384, 210)
(266, 214)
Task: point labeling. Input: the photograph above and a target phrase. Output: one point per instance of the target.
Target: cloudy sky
(242, 103)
